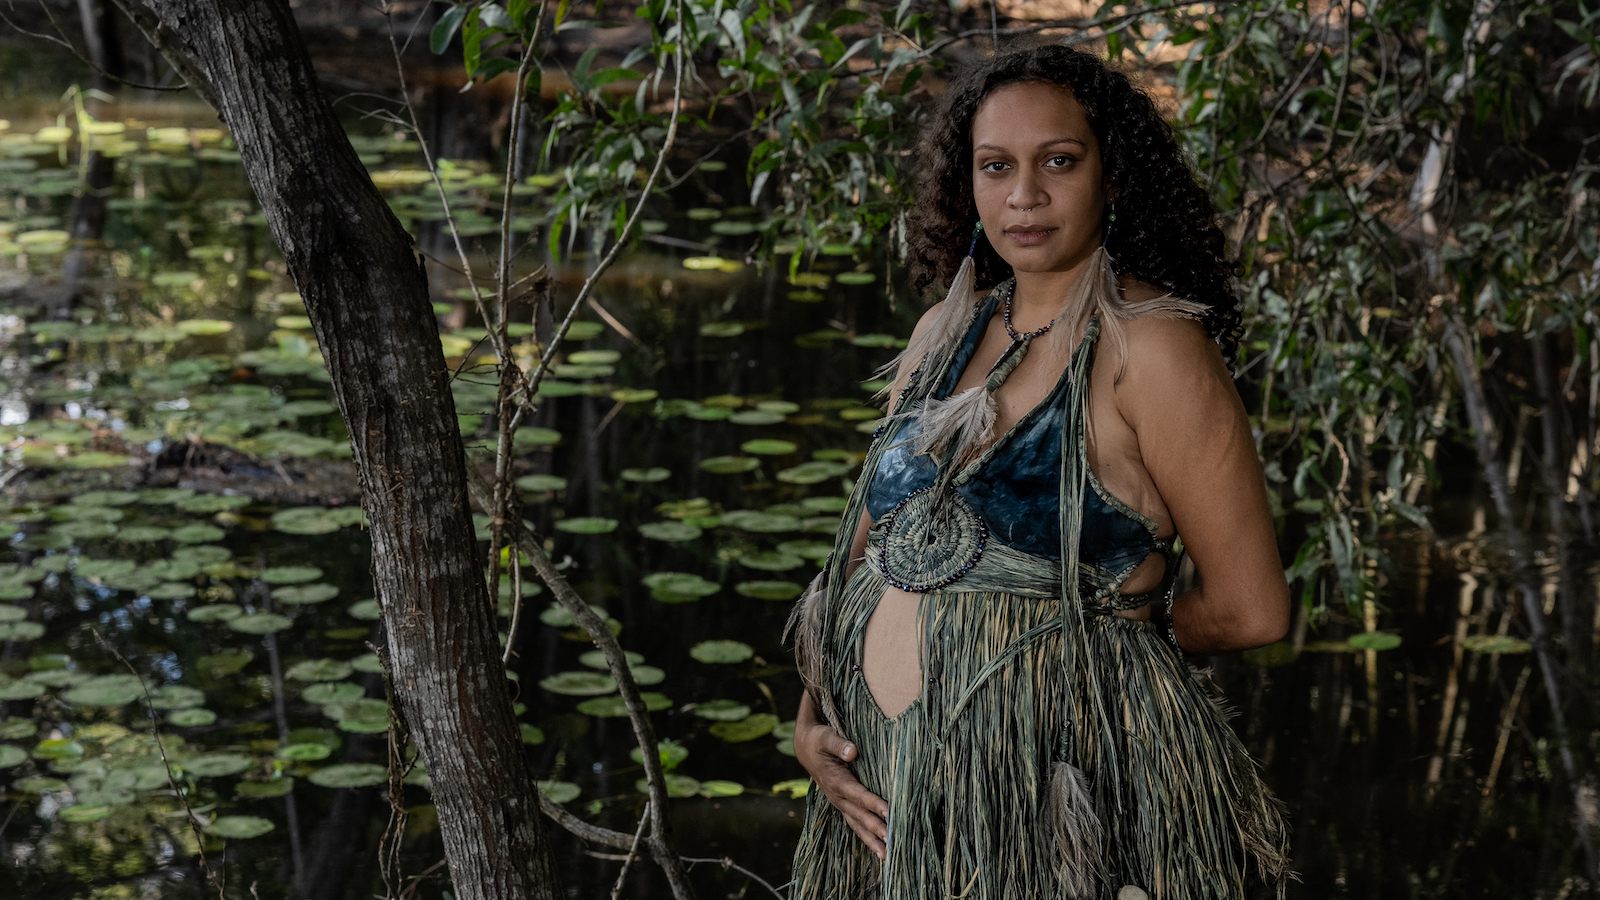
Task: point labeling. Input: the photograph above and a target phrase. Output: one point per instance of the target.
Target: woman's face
(1036, 177)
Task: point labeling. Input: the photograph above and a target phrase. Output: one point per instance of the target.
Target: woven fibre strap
(1010, 358)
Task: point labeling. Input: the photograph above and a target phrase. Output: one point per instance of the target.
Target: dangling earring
(1111, 219)
(944, 329)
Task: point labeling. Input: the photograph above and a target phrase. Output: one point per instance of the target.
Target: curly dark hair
(1166, 231)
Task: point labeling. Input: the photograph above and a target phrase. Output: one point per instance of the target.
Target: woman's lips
(1029, 235)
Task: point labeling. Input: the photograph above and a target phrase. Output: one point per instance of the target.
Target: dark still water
(179, 515)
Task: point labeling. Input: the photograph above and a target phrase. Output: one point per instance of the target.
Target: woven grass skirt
(966, 769)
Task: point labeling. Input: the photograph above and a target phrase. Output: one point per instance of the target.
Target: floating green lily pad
(12, 755)
(349, 775)
(367, 662)
(756, 417)
(816, 550)
(584, 331)
(176, 696)
(540, 483)
(746, 729)
(559, 791)
(855, 277)
(171, 590)
(672, 753)
(634, 395)
(197, 533)
(319, 670)
(39, 784)
(105, 498)
(768, 447)
(106, 690)
(191, 718)
(579, 684)
(332, 692)
(304, 752)
(531, 735)
(308, 520)
(201, 556)
(239, 827)
(21, 631)
(730, 465)
(613, 707)
(20, 690)
(769, 590)
(58, 749)
(587, 525)
(261, 623)
(290, 574)
(813, 472)
(366, 610)
(596, 659)
(212, 503)
(716, 788)
(217, 765)
(722, 329)
(304, 594)
(262, 790)
(646, 476)
(761, 523)
(13, 729)
(216, 612)
(221, 665)
(677, 786)
(679, 587)
(721, 652)
(721, 710)
(670, 532)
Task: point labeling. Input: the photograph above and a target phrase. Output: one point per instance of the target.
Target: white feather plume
(943, 331)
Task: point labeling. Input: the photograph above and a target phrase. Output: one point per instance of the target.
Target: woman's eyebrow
(1061, 140)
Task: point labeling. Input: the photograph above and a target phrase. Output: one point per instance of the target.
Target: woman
(979, 726)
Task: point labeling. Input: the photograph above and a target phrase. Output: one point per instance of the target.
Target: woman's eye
(1059, 161)
(993, 166)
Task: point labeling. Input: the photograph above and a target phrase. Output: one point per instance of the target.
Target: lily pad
(319, 670)
(171, 590)
(634, 395)
(531, 735)
(579, 684)
(58, 749)
(85, 813)
(197, 533)
(613, 707)
(540, 483)
(559, 791)
(717, 788)
(290, 574)
(106, 498)
(722, 329)
(349, 775)
(677, 786)
(202, 556)
(815, 550)
(367, 662)
(721, 652)
(13, 729)
(217, 765)
(596, 659)
(262, 790)
(39, 784)
(191, 718)
(756, 417)
(813, 472)
(679, 587)
(761, 523)
(21, 690)
(670, 532)
(332, 692)
(366, 610)
(722, 710)
(672, 753)
(769, 561)
(796, 788)
(176, 696)
(305, 594)
(768, 447)
(304, 752)
(12, 755)
(221, 665)
(21, 631)
(646, 476)
(308, 520)
(746, 729)
(730, 465)
(212, 503)
(239, 827)
(216, 612)
(106, 690)
(587, 525)
(261, 623)
(769, 590)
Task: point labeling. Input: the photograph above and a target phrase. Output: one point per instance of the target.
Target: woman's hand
(826, 755)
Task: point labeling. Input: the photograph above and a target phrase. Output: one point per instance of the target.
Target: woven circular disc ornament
(928, 545)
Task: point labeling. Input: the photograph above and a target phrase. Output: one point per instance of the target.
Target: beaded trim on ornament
(953, 577)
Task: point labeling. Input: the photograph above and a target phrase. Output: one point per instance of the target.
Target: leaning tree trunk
(367, 295)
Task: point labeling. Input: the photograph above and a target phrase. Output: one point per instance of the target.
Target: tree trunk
(366, 292)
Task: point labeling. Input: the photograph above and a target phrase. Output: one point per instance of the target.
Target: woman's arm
(1194, 437)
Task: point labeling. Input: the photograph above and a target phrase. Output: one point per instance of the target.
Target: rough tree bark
(366, 293)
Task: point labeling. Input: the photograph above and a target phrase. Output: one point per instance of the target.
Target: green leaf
(1375, 640)
(746, 729)
(721, 652)
(239, 827)
(349, 775)
(445, 29)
